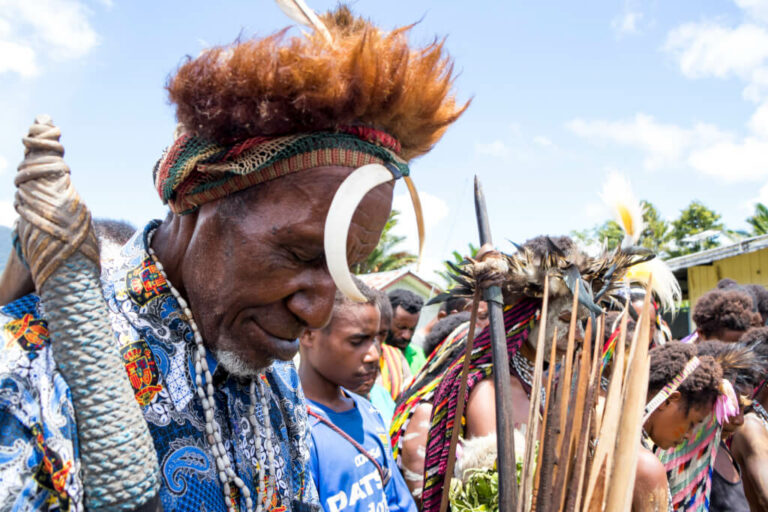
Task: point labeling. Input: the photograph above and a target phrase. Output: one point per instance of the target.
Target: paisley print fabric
(39, 466)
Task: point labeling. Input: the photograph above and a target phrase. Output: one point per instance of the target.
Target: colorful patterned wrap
(194, 171)
(518, 320)
(424, 384)
(395, 373)
(689, 467)
(39, 461)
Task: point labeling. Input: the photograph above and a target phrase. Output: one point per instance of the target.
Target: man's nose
(372, 354)
(313, 301)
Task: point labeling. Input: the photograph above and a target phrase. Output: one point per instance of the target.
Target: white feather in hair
(300, 12)
(664, 285)
(617, 194)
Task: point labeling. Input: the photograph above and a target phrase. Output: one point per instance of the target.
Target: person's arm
(481, 410)
(414, 442)
(650, 493)
(750, 451)
(398, 493)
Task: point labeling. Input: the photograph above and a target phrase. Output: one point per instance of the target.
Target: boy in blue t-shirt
(351, 460)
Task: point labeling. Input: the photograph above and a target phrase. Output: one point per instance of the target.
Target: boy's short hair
(341, 301)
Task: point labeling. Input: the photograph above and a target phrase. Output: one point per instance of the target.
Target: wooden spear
(504, 426)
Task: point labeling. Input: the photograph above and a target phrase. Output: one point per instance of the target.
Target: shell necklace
(204, 388)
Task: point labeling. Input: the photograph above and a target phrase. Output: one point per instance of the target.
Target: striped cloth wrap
(194, 171)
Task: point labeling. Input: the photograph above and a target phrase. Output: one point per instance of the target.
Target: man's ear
(308, 338)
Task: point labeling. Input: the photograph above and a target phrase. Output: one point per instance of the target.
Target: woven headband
(671, 387)
(194, 171)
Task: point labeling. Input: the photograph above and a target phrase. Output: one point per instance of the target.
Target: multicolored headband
(671, 387)
(194, 171)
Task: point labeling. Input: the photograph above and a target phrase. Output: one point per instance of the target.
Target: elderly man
(207, 304)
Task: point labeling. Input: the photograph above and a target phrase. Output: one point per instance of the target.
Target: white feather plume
(664, 285)
(300, 12)
(617, 194)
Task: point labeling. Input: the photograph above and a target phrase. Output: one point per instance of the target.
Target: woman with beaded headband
(289, 148)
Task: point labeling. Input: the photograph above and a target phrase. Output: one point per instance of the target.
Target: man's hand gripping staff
(56, 238)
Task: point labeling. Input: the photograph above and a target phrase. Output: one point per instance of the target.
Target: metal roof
(384, 280)
(718, 253)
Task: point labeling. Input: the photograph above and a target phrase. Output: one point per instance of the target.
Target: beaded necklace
(761, 413)
(204, 388)
(525, 369)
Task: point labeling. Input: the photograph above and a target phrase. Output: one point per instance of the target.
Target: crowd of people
(224, 358)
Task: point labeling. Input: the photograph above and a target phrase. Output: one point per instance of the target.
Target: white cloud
(543, 141)
(758, 123)
(757, 9)
(663, 144)
(434, 209)
(17, 58)
(3, 164)
(496, 148)
(733, 161)
(627, 23)
(708, 49)
(7, 213)
(762, 197)
(59, 29)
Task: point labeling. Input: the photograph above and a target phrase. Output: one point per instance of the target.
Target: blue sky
(674, 95)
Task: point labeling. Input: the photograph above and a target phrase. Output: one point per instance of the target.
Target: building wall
(751, 268)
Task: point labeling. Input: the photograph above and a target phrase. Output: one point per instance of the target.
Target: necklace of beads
(204, 388)
(525, 369)
(761, 412)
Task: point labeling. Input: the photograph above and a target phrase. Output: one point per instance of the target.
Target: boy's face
(346, 352)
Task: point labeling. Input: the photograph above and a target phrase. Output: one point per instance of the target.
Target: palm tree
(759, 221)
(383, 258)
(458, 258)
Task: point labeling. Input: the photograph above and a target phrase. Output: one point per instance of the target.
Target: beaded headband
(671, 387)
(194, 171)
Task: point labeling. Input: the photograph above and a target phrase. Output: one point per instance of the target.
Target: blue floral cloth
(39, 465)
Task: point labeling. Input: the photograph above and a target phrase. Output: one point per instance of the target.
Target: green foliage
(694, 219)
(457, 258)
(479, 494)
(675, 238)
(384, 257)
(759, 221)
(655, 235)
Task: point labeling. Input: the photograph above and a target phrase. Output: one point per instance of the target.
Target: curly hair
(700, 388)
(740, 363)
(406, 299)
(757, 339)
(720, 309)
(760, 295)
(278, 86)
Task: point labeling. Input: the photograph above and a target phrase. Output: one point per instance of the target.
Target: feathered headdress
(346, 72)
(627, 212)
(521, 274)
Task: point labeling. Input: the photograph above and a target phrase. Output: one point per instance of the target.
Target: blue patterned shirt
(39, 463)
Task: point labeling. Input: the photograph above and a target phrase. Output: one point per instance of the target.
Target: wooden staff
(504, 425)
(461, 400)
